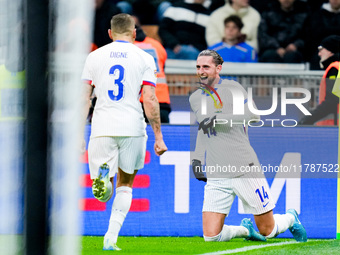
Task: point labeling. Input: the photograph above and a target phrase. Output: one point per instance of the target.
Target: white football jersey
(117, 71)
(228, 147)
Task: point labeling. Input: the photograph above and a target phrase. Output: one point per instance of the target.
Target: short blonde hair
(122, 24)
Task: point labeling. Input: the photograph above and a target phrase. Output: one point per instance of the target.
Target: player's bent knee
(265, 223)
(266, 229)
(265, 233)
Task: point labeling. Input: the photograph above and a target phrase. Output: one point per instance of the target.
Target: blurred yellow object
(336, 87)
(12, 86)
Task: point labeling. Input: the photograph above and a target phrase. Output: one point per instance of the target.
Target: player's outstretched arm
(86, 103)
(151, 107)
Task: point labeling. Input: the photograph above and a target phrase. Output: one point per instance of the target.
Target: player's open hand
(207, 125)
(160, 147)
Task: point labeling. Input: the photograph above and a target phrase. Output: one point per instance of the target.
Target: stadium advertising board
(300, 164)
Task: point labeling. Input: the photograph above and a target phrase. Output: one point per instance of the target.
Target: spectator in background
(261, 5)
(150, 11)
(322, 23)
(157, 51)
(215, 4)
(315, 4)
(124, 6)
(233, 48)
(327, 110)
(182, 29)
(104, 12)
(280, 32)
(249, 16)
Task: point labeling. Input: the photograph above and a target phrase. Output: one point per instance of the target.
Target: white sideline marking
(255, 247)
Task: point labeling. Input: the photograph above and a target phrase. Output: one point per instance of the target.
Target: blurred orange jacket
(157, 51)
(322, 95)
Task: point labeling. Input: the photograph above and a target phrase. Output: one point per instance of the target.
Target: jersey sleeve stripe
(149, 83)
(88, 82)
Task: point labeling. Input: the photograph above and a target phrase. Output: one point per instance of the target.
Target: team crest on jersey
(217, 105)
(155, 73)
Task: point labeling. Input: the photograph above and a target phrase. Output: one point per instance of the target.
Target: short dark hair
(236, 19)
(218, 60)
(122, 24)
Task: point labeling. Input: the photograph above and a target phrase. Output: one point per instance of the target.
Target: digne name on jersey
(114, 54)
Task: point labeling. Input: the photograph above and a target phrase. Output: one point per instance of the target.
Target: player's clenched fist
(160, 147)
(197, 170)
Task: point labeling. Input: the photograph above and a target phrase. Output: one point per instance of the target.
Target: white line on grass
(254, 247)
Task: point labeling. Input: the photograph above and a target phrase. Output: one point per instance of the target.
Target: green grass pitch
(93, 245)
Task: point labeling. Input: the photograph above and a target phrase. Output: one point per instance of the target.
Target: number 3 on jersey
(118, 81)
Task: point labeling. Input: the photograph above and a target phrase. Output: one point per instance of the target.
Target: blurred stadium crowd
(267, 31)
(278, 31)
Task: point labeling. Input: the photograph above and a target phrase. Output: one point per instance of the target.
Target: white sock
(228, 233)
(120, 208)
(282, 223)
